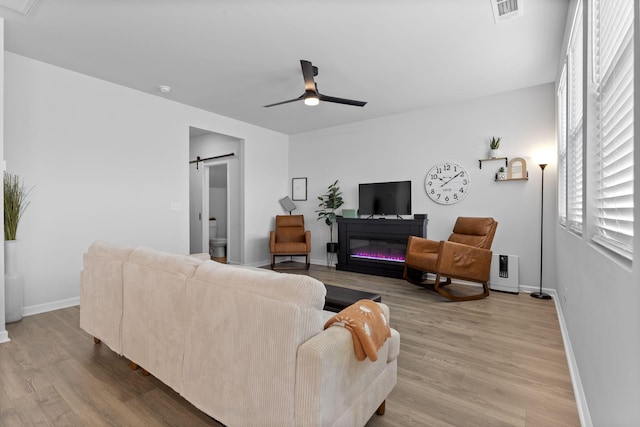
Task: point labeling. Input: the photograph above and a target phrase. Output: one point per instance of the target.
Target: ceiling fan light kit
(311, 95)
(311, 99)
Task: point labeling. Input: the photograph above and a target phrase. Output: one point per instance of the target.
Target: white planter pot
(494, 153)
(13, 283)
(502, 176)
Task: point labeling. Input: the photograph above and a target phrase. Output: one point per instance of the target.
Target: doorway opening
(215, 196)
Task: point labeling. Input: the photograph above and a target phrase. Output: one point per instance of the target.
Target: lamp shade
(287, 204)
(543, 156)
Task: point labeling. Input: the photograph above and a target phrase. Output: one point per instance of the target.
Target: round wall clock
(447, 183)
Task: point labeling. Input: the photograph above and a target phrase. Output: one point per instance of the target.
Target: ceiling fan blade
(285, 102)
(342, 101)
(308, 73)
(311, 95)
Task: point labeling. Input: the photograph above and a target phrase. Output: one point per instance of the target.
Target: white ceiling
(233, 56)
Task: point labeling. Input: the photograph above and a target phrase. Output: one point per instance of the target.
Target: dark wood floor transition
(493, 362)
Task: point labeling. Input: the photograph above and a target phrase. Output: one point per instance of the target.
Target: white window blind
(574, 112)
(613, 77)
(562, 146)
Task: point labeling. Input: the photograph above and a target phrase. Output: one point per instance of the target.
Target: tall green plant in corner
(329, 202)
(15, 203)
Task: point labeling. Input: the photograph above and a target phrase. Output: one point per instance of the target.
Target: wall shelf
(506, 161)
(512, 179)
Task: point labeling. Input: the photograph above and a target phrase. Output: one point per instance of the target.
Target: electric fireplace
(376, 246)
(391, 250)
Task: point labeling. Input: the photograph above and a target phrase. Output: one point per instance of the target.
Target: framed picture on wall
(299, 188)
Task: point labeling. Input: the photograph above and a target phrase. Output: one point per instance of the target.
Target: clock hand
(454, 177)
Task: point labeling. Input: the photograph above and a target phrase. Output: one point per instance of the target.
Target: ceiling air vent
(506, 9)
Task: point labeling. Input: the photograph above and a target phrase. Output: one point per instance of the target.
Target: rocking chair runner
(466, 256)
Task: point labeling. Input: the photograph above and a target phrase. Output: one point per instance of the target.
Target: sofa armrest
(272, 241)
(420, 244)
(456, 259)
(307, 240)
(421, 253)
(329, 378)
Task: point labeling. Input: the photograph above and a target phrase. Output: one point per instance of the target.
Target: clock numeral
(430, 183)
(446, 199)
(433, 191)
(461, 189)
(464, 182)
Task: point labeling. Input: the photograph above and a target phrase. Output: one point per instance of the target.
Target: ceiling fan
(311, 96)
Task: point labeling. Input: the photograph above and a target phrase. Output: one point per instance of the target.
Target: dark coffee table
(339, 298)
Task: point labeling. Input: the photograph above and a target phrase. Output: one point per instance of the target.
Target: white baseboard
(529, 289)
(50, 306)
(4, 337)
(578, 391)
(323, 262)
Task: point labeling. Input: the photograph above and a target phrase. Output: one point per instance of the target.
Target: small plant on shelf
(494, 145)
(501, 175)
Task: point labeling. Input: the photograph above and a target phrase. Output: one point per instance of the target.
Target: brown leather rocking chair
(290, 238)
(466, 256)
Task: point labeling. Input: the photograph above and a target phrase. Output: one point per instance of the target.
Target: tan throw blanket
(368, 325)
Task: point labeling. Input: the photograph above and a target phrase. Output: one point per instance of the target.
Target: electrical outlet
(176, 206)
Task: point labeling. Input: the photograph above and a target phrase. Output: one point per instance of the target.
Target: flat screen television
(385, 198)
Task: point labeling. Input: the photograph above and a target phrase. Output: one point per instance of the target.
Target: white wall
(218, 209)
(3, 332)
(106, 162)
(600, 300)
(405, 146)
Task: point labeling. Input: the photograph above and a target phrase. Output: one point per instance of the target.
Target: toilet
(217, 245)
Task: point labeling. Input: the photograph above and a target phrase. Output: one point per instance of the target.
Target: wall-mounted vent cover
(506, 9)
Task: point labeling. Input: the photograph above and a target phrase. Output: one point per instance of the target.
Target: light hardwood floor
(492, 362)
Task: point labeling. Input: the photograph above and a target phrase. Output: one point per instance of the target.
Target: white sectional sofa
(246, 346)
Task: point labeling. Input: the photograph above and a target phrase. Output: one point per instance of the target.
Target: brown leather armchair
(466, 256)
(290, 238)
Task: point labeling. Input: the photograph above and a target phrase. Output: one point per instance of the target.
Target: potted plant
(494, 144)
(502, 174)
(15, 203)
(329, 202)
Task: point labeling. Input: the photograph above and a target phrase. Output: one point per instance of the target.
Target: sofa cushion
(245, 374)
(154, 324)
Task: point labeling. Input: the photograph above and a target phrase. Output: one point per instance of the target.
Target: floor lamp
(540, 294)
